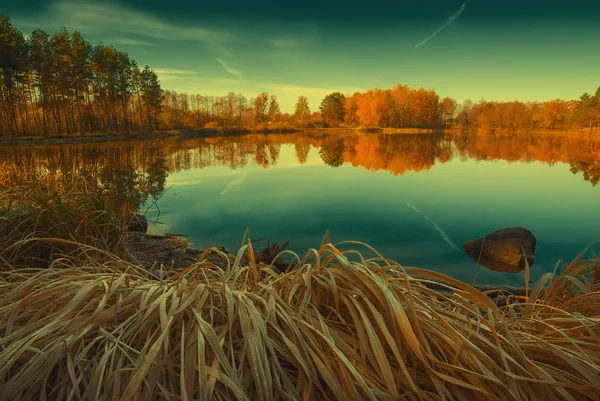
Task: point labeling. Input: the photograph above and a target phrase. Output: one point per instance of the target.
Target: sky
(497, 50)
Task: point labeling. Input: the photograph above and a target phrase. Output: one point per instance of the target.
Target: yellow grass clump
(39, 205)
(328, 329)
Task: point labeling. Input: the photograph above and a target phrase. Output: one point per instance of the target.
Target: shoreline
(157, 252)
(99, 138)
(212, 132)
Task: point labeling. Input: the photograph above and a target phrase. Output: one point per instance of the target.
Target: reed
(329, 328)
(39, 205)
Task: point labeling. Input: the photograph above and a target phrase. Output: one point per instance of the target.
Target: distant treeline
(59, 84)
(403, 107)
(399, 107)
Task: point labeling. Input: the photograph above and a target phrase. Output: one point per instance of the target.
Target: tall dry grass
(39, 206)
(328, 329)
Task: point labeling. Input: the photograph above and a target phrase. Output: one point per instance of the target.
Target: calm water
(415, 198)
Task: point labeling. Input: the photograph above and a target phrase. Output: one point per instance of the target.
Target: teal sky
(497, 50)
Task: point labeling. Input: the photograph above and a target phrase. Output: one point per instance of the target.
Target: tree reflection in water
(136, 172)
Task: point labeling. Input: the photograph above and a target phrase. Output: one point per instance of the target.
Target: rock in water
(137, 223)
(504, 250)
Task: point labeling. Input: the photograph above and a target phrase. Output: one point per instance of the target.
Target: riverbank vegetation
(94, 325)
(59, 84)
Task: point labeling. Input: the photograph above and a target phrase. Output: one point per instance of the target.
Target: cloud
(167, 71)
(229, 69)
(448, 22)
(131, 42)
(171, 76)
(103, 18)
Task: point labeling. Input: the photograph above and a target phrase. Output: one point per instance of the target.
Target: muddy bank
(95, 138)
(151, 251)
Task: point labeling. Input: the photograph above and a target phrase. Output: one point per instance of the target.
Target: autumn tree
(40, 64)
(400, 116)
(13, 53)
(152, 94)
(241, 104)
(464, 114)
(448, 111)
(587, 111)
(367, 112)
(332, 108)
(60, 84)
(261, 107)
(302, 111)
(351, 109)
(273, 113)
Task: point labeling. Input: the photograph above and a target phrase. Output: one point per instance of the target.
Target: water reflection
(145, 166)
(295, 186)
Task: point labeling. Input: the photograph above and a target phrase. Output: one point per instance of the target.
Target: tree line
(60, 84)
(398, 107)
(404, 107)
(184, 111)
(514, 116)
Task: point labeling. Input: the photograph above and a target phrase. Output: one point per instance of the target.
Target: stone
(137, 223)
(506, 250)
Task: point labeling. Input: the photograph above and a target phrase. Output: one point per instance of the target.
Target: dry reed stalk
(46, 205)
(329, 328)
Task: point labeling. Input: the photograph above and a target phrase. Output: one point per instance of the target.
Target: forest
(60, 84)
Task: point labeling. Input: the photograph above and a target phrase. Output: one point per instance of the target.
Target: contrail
(438, 228)
(378, 78)
(237, 73)
(450, 20)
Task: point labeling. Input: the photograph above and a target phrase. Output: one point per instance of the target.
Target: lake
(414, 198)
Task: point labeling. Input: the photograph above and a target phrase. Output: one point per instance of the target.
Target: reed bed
(40, 205)
(327, 329)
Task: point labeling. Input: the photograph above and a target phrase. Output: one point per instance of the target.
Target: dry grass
(38, 205)
(327, 329)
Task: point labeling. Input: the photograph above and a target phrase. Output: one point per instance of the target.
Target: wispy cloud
(131, 42)
(437, 228)
(171, 76)
(130, 26)
(448, 22)
(167, 71)
(236, 73)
